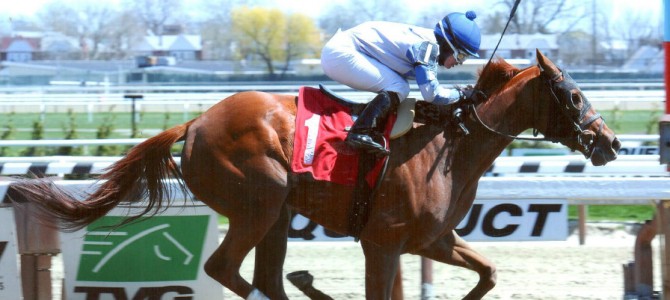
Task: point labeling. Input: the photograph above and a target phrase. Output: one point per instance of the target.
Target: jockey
(380, 57)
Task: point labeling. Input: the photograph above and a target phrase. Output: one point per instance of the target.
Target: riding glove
(470, 94)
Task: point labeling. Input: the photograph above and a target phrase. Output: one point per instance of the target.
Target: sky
(315, 6)
(311, 7)
(620, 8)
(23, 7)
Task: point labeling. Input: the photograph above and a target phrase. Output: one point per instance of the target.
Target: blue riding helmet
(462, 31)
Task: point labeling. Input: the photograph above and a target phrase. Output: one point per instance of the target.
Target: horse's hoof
(301, 279)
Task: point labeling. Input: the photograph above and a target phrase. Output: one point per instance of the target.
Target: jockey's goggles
(458, 55)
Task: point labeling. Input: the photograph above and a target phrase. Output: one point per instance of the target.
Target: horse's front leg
(452, 249)
(381, 265)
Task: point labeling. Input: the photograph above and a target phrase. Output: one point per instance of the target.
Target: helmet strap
(445, 50)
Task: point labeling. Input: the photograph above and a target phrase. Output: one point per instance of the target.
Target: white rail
(65, 143)
(608, 94)
(273, 86)
(577, 166)
(587, 190)
(33, 98)
(96, 142)
(522, 166)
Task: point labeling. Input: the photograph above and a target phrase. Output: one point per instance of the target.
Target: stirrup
(365, 143)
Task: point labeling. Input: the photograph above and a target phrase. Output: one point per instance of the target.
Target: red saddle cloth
(319, 148)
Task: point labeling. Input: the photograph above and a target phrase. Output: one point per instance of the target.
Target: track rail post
(663, 217)
(37, 243)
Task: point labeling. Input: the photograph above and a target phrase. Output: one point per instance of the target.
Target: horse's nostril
(616, 144)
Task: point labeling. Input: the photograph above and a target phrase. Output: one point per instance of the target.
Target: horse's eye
(576, 99)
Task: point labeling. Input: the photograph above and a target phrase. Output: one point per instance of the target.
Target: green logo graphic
(161, 248)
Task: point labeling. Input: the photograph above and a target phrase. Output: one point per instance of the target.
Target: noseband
(561, 84)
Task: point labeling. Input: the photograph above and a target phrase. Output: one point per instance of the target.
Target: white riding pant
(342, 62)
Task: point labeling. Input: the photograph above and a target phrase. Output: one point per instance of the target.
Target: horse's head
(570, 118)
(546, 99)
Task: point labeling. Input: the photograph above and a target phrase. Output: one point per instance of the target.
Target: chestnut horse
(236, 159)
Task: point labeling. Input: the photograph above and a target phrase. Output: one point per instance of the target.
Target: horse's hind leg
(224, 264)
(453, 250)
(270, 255)
(245, 232)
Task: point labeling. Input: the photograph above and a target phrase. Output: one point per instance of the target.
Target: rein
(579, 125)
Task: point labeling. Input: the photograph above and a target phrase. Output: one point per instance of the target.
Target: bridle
(559, 85)
(563, 84)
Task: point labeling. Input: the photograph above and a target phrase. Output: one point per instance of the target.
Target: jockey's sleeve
(424, 57)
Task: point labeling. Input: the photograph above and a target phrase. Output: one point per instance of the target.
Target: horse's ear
(547, 65)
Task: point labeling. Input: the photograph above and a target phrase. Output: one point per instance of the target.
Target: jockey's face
(449, 62)
(446, 57)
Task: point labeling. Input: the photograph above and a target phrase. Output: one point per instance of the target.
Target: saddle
(405, 113)
(371, 169)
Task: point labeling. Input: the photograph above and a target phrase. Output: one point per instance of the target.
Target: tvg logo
(161, 248)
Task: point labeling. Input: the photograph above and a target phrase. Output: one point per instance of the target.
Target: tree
(274, 36)
(9, 132)
(9, 23)
(218, 41)
(156, 14)
(36, 134)
(88, 21)
(636, 31)
(123, 34)
(302, 39)
(574, 48)
(347, 15)
(70, 133)
(538, 16)
(494, 23)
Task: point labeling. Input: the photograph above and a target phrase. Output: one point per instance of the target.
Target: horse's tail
(139, 174)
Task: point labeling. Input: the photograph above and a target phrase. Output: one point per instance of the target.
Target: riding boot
(369, 127)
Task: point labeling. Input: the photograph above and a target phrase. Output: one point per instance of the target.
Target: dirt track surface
(526, 270)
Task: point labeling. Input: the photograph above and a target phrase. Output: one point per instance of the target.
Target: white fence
(577, 166)
(196, 98)
(521, 166)
(270, 86)
(99, 142)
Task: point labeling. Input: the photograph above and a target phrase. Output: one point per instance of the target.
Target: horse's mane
(495, 75)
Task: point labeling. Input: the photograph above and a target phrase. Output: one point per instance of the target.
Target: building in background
(520, 46)
(181, 47)
(19, 48)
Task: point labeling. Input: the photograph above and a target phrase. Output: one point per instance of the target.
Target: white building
(181, 47)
